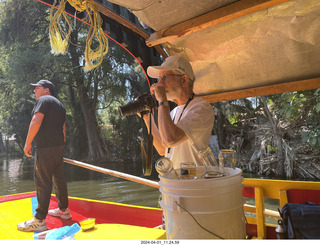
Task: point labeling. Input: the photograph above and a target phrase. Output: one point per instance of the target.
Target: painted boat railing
(259, 189)
(285, 191)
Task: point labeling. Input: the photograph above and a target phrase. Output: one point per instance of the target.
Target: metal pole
(113, 173)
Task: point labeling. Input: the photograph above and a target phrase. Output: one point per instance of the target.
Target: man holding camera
(185, 130)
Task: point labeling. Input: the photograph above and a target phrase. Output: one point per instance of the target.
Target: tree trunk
(2, 148)
(94, 141)
(280, 155)
(221, 123)
(76, 129)
(95, 148)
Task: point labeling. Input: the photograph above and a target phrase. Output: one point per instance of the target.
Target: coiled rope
(60, 31)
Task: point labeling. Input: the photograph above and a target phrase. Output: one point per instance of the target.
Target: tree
(21, 52)
(270, 135)
(26, 58)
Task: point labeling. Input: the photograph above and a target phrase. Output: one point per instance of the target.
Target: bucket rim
(220, 179)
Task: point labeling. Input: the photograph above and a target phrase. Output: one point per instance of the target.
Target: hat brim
(34, 85)
(154, 71)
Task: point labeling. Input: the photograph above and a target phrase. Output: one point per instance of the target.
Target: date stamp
(159, 242)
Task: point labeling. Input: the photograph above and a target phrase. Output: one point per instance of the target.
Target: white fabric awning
(245, 48)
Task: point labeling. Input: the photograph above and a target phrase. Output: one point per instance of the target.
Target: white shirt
(197, 123)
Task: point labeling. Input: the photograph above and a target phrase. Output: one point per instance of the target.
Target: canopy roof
(240, 48)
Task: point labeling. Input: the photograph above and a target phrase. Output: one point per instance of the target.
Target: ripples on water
(16, 176)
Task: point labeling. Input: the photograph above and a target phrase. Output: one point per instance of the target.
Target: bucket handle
(174, 201)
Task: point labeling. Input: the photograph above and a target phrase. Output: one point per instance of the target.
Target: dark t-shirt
(51, 130)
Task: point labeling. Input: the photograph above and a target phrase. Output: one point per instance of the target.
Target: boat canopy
(237, 49)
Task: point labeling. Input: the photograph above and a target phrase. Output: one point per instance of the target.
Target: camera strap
(185, 106)
(146, 155)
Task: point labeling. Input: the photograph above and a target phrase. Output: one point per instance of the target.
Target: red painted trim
(17, 196)
(248, 191)
(113, 213)
(302, 195)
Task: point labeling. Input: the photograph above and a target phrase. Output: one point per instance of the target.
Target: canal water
(16, 176)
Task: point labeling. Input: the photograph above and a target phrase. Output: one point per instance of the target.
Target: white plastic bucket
(204, 208)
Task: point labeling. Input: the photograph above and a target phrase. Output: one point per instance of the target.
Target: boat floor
(19, 208)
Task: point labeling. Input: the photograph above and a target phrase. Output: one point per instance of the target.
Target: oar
(113, 173)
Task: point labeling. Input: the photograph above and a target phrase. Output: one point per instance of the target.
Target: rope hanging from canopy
(60, 31)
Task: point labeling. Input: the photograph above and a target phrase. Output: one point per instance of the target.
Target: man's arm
(34, 127)
(64, 133)
(170, 133)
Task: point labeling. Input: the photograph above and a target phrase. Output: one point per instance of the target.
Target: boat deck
(113, 221)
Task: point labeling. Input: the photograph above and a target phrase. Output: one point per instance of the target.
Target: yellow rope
(59, 38)
(59, 33)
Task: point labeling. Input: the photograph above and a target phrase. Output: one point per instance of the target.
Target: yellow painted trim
(276, 189)
(271, 187)
(283, 198)
(252, 220)
(249, 208)
(121, 232)
(259, 198)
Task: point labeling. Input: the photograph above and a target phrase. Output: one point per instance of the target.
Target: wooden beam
(215, 17)
(109, 13)
(307, 84)
(259, 200)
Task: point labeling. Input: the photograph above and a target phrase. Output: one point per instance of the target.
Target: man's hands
(27, 150)
(159, 90)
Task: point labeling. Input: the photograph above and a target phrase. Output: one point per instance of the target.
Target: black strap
(146, 155)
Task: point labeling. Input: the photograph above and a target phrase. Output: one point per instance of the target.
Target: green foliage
(25, 58)
(271, 149)
(298, 111)
(312, 137)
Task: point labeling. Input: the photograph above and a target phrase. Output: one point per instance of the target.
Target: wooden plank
(261, 226)
(272, 187)
(252, 220)
(283, 198)
(216, 17)
(109, 13)
(307, 84)
(249, 208)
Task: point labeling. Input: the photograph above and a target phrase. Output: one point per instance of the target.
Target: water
(16, 176)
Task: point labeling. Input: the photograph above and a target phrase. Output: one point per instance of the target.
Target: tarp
(274, 45)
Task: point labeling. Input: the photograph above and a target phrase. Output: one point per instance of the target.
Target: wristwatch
(165, 103)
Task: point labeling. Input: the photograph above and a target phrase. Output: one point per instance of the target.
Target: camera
(144, 102)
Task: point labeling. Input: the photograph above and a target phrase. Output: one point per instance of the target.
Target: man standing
(185, 130)
(47, 131)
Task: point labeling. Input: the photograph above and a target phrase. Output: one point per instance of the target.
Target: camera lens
(144, 102)
(129, 109)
